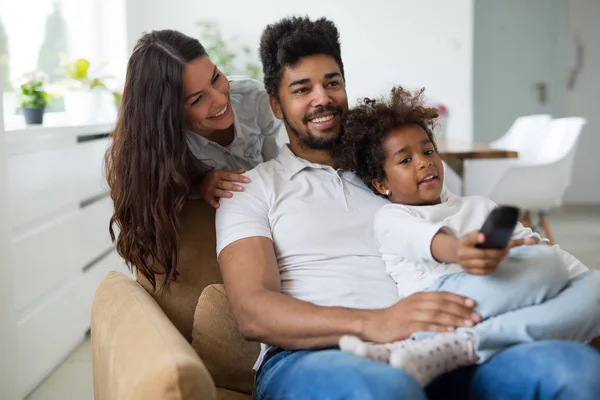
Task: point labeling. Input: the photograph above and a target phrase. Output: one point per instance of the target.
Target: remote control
(499, 226)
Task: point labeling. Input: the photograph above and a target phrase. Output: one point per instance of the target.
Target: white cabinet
(58, 214)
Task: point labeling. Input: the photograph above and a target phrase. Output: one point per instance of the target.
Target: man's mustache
(321, 110)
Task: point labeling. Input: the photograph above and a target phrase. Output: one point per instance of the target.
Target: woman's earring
(387, 192)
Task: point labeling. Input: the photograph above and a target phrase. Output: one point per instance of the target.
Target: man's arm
(264, 314)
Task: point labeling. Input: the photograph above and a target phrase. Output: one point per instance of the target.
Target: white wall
(7, 315)
(412, 43)
(584, 100)
(516, 45)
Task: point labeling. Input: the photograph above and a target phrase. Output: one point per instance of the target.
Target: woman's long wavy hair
(148, 166)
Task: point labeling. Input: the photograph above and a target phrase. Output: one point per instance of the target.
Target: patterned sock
(429, 358)
(374, 351)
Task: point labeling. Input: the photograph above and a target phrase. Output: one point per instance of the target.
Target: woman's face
(206, 90)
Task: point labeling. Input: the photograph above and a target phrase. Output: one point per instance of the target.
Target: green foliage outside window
(231, 58)
(4, 71)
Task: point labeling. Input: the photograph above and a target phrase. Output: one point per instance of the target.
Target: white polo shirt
(255, 130)
(321, 223)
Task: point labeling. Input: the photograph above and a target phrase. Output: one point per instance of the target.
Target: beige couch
(176, 344)
(179, 344)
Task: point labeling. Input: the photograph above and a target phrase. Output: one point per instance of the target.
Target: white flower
(34, 76)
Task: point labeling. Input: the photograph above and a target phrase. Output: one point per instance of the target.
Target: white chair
(536, 183)
(524, 134)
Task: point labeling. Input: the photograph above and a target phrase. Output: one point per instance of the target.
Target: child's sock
(429, 358)
(374, 351)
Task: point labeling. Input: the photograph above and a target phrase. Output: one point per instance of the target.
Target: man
(301, 266)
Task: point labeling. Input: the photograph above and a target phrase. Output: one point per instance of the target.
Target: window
(41, 34)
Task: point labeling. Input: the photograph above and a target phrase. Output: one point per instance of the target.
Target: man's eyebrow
(299, 82)
(200, 91)
(332, 75)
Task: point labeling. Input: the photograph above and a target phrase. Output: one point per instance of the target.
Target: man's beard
(308, 139)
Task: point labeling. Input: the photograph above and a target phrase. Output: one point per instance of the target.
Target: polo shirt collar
(293, 164)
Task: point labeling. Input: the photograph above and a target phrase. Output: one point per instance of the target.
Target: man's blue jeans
(540, 370)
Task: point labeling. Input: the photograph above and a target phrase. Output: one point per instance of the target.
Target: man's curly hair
(285, 42)
(361, 147)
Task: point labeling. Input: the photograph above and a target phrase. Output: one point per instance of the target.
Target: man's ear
(381, 187)
(276, 107)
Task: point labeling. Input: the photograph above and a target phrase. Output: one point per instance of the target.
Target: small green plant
(79, 71)
(231, 57)
(117, 97)
(33, 95)
(4, 59)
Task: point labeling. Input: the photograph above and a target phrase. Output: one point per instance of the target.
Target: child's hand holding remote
(478, 261)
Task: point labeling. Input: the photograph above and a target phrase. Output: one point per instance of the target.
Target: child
(428, 236)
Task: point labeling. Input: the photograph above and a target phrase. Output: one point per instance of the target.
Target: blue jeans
(542, 370)
(529, 297)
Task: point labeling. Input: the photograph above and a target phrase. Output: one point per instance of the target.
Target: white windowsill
(57, 130)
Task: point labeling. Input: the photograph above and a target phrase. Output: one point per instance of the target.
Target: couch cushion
(197, 267)
(215, 337)
(137, 353)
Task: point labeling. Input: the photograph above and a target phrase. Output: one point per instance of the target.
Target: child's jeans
(528, 298)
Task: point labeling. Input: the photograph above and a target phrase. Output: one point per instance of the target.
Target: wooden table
(454, 153)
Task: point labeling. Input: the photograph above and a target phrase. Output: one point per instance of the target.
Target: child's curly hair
(360, 148)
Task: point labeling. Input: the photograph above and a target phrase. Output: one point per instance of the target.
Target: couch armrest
(138, 354)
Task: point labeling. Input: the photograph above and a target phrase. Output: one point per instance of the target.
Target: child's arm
(402, 233)
(464, 251)
(405, 234)
(444, 247)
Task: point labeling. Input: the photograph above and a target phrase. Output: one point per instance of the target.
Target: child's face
(413, 169)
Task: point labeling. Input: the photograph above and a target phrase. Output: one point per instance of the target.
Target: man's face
(312, 101)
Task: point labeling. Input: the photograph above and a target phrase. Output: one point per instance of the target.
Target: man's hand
(478, 261)
(423, 311)
(217, 184)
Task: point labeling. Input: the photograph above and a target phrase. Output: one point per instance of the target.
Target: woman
(183, 129)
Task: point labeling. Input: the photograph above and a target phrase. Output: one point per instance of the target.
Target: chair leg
(546, 228)
(526, 220)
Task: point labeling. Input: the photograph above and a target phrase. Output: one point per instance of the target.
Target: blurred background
(499, 70)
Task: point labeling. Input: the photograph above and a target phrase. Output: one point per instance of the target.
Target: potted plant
(84, 89)
(33, 97)
(117, 97)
